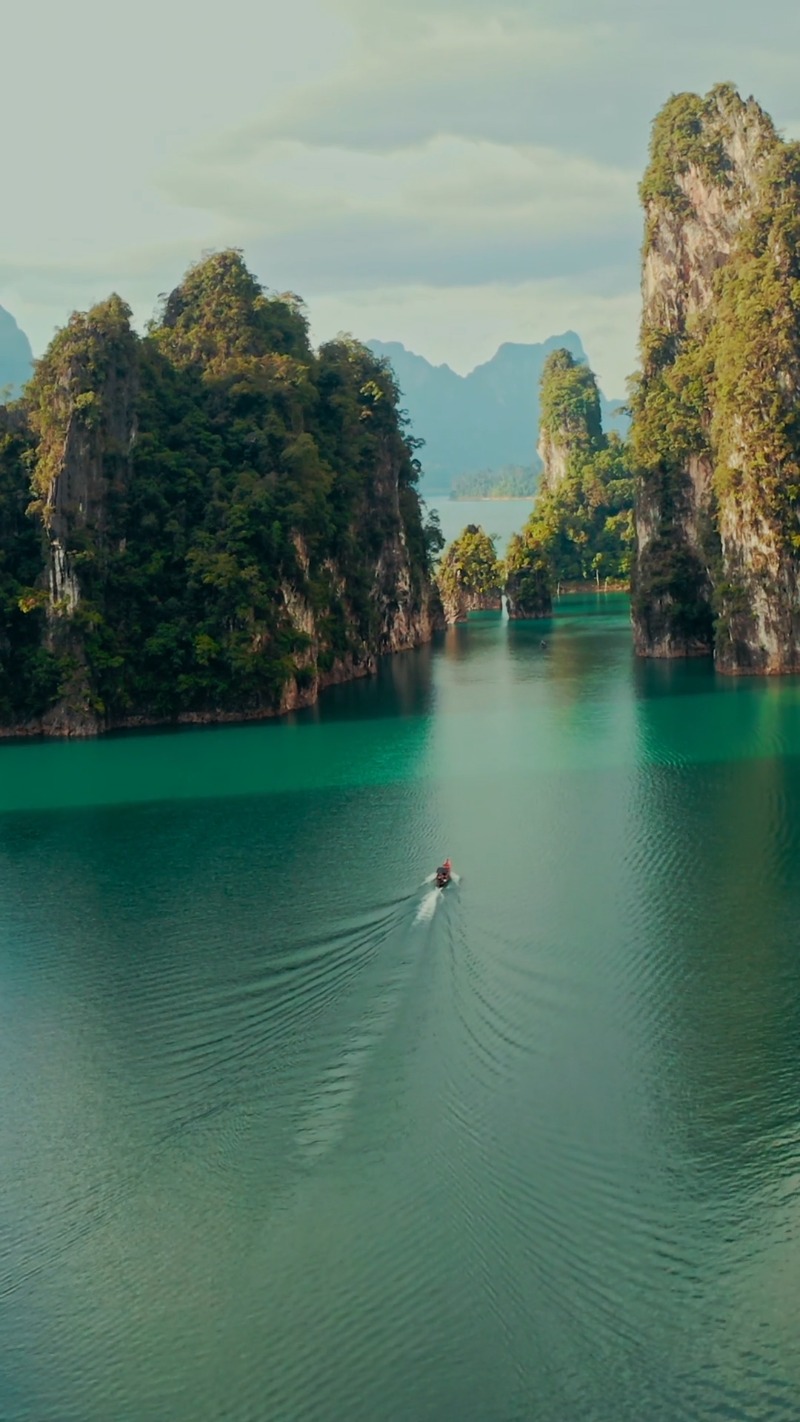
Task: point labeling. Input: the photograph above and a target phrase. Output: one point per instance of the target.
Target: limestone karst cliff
(529, 578)
(479, 427)
(580, 526)
(570, 422)
(470, 575)
(716, 435)
(82, 413)
(224, 521)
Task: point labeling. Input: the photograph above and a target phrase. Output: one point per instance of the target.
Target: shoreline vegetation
(609, 585)
(511, 482)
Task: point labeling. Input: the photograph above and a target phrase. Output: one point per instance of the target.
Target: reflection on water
(278, 1141)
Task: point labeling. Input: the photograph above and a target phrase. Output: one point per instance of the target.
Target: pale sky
(447, 173)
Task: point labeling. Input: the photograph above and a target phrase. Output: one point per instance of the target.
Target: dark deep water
(272, 1149)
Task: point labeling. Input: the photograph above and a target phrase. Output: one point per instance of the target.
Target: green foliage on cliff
(690, 132)
(570, 402)
(220, 315)
(716, 431)
(235, 507)
(669, 429)
(29, 675)
(471, 566)
(528, 575)
(755, 347)
(77, 378)
(582, 519)
(682, 137)
(755, 395)
(585, 524)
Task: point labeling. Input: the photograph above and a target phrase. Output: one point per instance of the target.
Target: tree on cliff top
(471, 566)
(582, 519)
(689, 132)
(570, 402)
(220, 311)
(528, 574)
(235, 473)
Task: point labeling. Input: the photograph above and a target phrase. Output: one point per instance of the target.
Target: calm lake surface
(278, 1142)
(499, 517)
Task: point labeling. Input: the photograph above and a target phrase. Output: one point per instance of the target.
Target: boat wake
(428, 906)
(430, 902)
(328, 1107)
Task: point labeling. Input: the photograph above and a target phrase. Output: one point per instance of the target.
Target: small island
(211, 522)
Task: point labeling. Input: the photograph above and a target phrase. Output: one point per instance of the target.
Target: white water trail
(428, 906)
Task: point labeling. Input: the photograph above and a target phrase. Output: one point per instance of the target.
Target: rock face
(714, 433)
(570, 425)
(457, 604)
(84, 415)
(228, 521)
(580, 524)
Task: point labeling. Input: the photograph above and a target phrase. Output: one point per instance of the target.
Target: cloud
(448, 157)
(458, 152)
(480, 79)
(557, 73)
(446, 212)
(468, 155)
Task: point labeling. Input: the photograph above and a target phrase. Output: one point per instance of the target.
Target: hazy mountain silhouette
(485, 420)
(16, 357)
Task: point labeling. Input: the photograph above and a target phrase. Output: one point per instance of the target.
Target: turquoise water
(280, 1143)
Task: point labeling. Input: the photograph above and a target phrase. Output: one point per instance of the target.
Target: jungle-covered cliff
(716, 407)
(209, 522)
(581, 524)
(470, 575)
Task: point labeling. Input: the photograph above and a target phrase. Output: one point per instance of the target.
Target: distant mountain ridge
(488, 419)
(16, 356)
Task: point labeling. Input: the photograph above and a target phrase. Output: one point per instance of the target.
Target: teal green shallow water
(276, 1145)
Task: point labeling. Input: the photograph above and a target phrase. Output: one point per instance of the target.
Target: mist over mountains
(488, 419)
(16, 357)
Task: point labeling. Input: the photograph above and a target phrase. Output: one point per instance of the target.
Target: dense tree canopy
(224, 497)
(470, 570)
(570, 403)
(529, 576)
(585, 524)
(582, 519)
